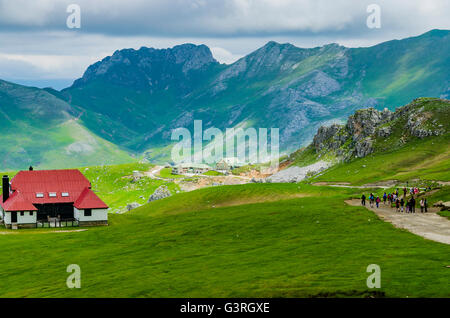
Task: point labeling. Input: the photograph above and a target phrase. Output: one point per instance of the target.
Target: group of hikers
(400, 204)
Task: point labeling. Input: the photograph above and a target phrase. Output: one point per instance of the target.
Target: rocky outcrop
(369, 127)
(132, 206)
(160, 193)
(363, 147)
(331, 137)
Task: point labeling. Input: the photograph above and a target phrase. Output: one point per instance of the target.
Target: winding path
(428, 225)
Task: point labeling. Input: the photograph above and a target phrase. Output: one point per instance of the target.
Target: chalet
(190, 168)
(227, 164)
(36, 197)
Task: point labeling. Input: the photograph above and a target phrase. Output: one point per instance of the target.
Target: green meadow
(254, 240)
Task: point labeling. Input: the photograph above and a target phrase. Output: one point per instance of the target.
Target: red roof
(36, 187)
(16, 202)
(30, 183)
(89, 200)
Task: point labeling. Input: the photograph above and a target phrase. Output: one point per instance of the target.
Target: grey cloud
(221, 18)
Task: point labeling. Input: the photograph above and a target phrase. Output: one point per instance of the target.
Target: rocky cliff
(369, 130)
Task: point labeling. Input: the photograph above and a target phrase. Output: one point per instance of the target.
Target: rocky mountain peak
(148, 66)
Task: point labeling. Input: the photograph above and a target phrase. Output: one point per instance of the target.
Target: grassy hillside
(399, 156)
(277, 240)
(115, 184)
(41, 130)
(423, 159)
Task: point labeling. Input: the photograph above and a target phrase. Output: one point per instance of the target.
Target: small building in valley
(227, 164)
(193, 168)
(38, 197)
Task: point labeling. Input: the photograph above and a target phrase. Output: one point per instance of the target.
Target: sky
(38, 48)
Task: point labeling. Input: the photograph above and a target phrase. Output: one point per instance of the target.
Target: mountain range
(127, 104)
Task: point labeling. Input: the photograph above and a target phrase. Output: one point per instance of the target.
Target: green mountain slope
(131, 101)
(39, 129)
(411, 143)
(141, 95)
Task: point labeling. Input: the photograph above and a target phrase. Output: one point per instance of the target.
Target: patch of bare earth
(428, 225)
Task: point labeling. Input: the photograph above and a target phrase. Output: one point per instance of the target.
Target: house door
(13, 217)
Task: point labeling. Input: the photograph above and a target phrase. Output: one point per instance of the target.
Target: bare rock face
(331, 137)
(160, 193)
(364, 147)
(384, 132)
(363, 123)
(132, 206)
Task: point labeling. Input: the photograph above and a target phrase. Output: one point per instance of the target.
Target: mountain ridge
(134, 98)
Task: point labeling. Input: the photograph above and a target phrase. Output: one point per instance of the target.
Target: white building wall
(97, 215)
(7, 219)
(26, 218)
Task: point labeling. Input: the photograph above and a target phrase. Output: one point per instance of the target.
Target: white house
(37, 197)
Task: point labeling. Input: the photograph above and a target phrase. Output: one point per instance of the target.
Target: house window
(88, 212)
(52, 194)
(65, 194)
(22, 213)
(39, 195)
(31, 213)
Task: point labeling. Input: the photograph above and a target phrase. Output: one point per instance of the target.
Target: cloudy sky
(37, 47)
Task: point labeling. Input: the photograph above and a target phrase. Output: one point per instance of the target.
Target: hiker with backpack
(378, 202)
(363, 200)
(397, 205)
(384, 198)
(402, 203)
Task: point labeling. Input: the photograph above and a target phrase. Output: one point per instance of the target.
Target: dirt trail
(428, 225)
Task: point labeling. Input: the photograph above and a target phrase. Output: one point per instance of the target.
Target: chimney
(5, 187)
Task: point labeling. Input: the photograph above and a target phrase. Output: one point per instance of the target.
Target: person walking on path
(404, 192)
(402, 203)
(384, 198)
(413, 205)
(397, 205)
(378, 202)
(363, 200)
(421, 205)
(425, 205)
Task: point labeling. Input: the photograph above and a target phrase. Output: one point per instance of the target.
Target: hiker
(396, 192)
(397, 205)
(384, 198)
(421, 205)
(363, 200)
(404, 191)
(402, 203)
(378, 202)
(371, 199)
(408, 204)
(413, 205)
(425, 205)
